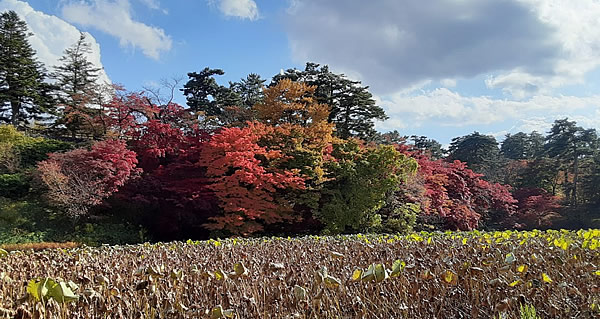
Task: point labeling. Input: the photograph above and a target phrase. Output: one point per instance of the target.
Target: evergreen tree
(522, 146)
(78, 89)
(479, 151)
(353, 109)
(569, 143)
(432, 147)
(250, 90)
(24, 96)
(204, 94)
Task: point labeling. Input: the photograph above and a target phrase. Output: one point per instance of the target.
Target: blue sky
(440, 68)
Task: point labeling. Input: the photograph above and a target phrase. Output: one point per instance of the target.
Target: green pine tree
(24, 96)
(78, 91)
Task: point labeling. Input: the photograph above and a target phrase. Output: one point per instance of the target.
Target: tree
(291, 105)
(204, 94)
(79, 92)
(430, 146)
(353, 109)
(250, 90)
(82, 178)
(536, 208)
(24, 96)
(522, 146)
(389, 138)
(569, 143)
(480, 152)
(247, 182)
(357, 184)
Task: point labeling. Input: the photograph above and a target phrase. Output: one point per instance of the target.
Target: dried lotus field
(421, 275)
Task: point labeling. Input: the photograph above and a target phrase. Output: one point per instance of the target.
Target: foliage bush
(14, 185)
(30, 149)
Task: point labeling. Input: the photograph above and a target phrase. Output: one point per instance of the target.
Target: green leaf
(380, 273)
(3, 253)
(62, 293)
(397, 267)
(368, 274)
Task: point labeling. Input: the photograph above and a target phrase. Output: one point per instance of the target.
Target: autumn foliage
(460, 196)
(284, 170)
(82, 178)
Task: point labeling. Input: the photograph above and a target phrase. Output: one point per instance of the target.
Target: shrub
(26, 150)
(14, 185)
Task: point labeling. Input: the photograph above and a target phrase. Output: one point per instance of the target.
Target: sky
(439, 68)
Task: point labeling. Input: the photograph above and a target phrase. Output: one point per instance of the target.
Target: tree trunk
(575, 177)
(14, 116)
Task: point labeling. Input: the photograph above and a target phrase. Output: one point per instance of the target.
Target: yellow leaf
(3, 253)
(356, 274)
(240, 270)
(522, 268)
(220, 275)
(464, 241)
(514, 283)
(450, 277)
(597, 272)
(368, 274)
(546, 278)
(331, 282)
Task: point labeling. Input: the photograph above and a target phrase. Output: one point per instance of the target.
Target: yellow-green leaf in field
(239, 270)
(546, 278)
(464, 241)
(514, 283)
(37, 289)
(62, 293)
(220, 275)
(368, 274)
(450, 277)
(522, 268)
(597, 272)
(219, 313)
(331, 282)
(299, 292)
(397, 267)
(380, 273)
(356, 274)
(3, 253)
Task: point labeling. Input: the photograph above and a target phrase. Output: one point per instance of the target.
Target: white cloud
(394, 44)
(527, 47)
(114, 18)
(577, 29)
(244, 9)
(154, 5)
(52, 35)
(449, 108)
(449, 83)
